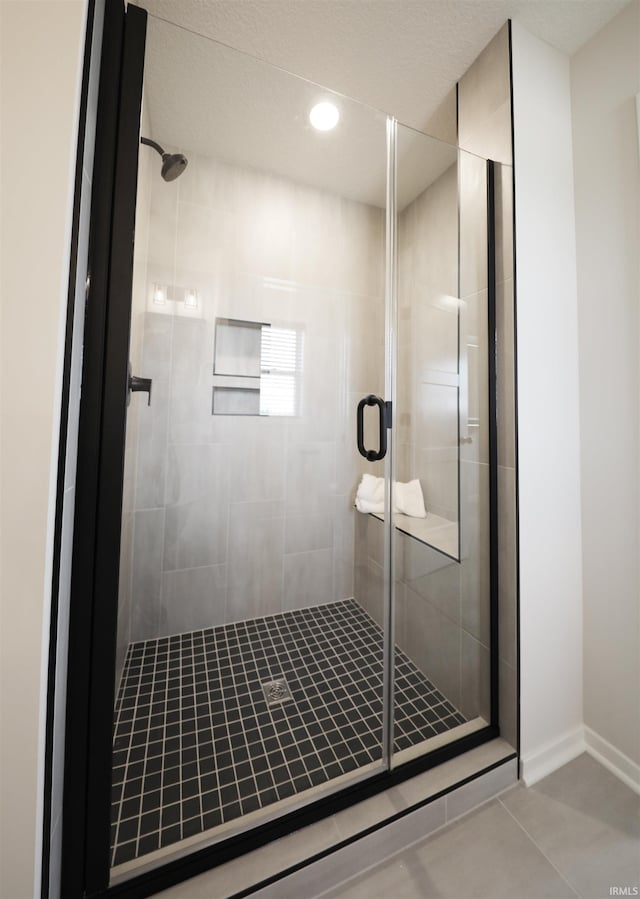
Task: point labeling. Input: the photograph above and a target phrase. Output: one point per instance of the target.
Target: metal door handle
(384, 422)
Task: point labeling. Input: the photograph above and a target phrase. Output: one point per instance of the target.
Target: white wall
(605, 77)
(548, 409)
(41, 59)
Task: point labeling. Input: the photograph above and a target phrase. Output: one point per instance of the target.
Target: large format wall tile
(194, 598)
(431, 575)
(255, 562)
(507, 581)
(475, 694)
(136, 342)
(146, 575)
(310, 477)
(475, 533)
(508, 689)
(310, 530)
(433, 643)
(473, 225)
(125, 599)
(196, 510)
(426, 412)
(474, 378)
(152, 421)
(484, 102)
(503, 181)
(203, 242)
(506, 374)
(308, 579)
(343, 546)
(317, 238)
(194, 535)
(435, 244)
(162, 216)
(257, 463)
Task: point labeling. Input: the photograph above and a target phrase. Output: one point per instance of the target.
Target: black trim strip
(112, 450)
(515, 400)
(459, 334)
(62, 458)
(74, 830)
(493, 447)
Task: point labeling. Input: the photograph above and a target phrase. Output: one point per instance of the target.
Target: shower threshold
(198, 749)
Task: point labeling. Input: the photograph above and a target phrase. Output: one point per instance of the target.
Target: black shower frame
(94, 591)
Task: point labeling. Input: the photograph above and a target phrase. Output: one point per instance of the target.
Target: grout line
(542, 852)
(241, 719)
(146, 757)
(120, 694)
(180, 730)
(164, 742)
(196, 736)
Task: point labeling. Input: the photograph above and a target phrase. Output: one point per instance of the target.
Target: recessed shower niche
(257, 368)
(329, 268)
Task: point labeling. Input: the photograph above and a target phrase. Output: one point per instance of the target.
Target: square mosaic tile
(198, 742)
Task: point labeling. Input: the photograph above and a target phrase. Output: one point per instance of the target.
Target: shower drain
(276, 692)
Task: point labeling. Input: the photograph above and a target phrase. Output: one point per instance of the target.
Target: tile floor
(574, 834)
(196, 744)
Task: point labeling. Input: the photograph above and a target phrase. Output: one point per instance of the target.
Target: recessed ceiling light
(324, 116)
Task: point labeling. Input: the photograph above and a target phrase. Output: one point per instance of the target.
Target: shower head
(173, 164)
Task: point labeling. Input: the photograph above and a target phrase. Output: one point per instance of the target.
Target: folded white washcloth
(407, 498)
(371, 488)
(370, 495)
(369, 507)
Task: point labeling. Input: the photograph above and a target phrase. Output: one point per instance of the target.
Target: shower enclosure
(305, 308)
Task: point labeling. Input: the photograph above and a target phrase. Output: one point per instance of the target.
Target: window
(281, 364)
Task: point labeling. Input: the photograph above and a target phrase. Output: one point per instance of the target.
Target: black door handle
(138, 385)
(385, 422)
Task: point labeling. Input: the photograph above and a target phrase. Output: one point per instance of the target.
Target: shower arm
(151, 143)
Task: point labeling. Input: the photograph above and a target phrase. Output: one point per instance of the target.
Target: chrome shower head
(173, 164)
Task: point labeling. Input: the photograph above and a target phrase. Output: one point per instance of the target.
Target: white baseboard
(552, 755)
(569, 746)
(624, 768)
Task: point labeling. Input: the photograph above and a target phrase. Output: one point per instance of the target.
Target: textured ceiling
(399, 56)
(207, 99)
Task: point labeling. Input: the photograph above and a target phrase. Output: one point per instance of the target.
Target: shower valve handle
(139, 385)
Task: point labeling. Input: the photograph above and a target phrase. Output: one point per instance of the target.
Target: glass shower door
(442, 536)
(251, 637)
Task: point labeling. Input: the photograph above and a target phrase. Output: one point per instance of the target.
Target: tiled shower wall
(126, 612)
(235, 517)
(427, 358)
(484, 118)
(484, 127)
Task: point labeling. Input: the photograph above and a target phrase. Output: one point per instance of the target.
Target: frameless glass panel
(441, 551)
(250, 640)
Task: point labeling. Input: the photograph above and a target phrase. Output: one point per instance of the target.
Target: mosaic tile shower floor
(196, 744)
